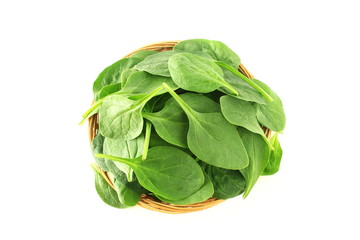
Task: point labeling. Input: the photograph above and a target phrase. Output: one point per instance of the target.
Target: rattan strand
(147, 201)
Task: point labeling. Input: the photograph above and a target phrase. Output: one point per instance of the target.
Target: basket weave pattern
(147, 201)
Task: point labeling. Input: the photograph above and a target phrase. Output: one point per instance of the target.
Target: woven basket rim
(146, 201)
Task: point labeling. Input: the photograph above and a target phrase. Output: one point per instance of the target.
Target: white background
(52, 51)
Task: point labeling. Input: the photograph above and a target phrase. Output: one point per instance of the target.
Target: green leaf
(258, 152)
(271, 114)
(245, 90)
(159, 105)
(120, 117)
(157, 64)
(212, 138)
(156, 140)
(109, 89)
(171, 122)
(106, 192)
(125, 149)
(141, 83)
(203, 194)
(217, 50)
(198, 74)
(97, 147)
(247, 80)
(143, 54)
(129, 193)
(167, 172)
(227, 183)
(125, 75)
(112, 74)
(241, 113)
(273, 165)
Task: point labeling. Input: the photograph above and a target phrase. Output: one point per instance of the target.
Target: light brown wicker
(147, 201)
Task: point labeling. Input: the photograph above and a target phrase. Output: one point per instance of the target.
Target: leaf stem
(91, 110)
(178, 99)
(228, 86)
(243, 77)
(113, 158)
(147, 139)
(268, 142)
(151, 95)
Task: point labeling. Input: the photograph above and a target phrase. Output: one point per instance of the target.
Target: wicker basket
(147, 201)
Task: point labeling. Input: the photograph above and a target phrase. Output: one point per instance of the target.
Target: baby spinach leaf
(105, 191)
(198, 74)
(212, 138)
(156, 140)
(217, 50)
(143, 54)
(204, 193)
(125, 75)
(271, 114)
(126, 195)
(109, 89)
(247, 80)
(273, 165)
(167, 172)
(125, 149)
(129, 193)
(97, 147)
(112, 74)
(160, 104)
(141, 83)
(171, 122)
(258, 152)
(120, 117)
(227, 183)
(241, 113)
(245, 90)
(157, 64)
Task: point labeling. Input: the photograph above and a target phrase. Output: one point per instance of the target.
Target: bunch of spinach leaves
(182, 126)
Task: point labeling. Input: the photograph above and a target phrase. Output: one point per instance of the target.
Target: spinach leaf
(217, 50)
(143, 54)
(129, 193)
(245, 90)
(258, 152)
(271, 114)
(204, 193)
(157, 64)
(227, 183)
(105, 191)
(97, 147)
(198, 74)
(273, 165)
(125, 75)
(120, 117)
(171, 122)
(167, 172)
(109, 89)
(241, 113)
(156, 140)
(160, 104)
(247, 80)
(141, 83)
(125, 149)
(126, 195)
(112, 74)
(212, 138)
